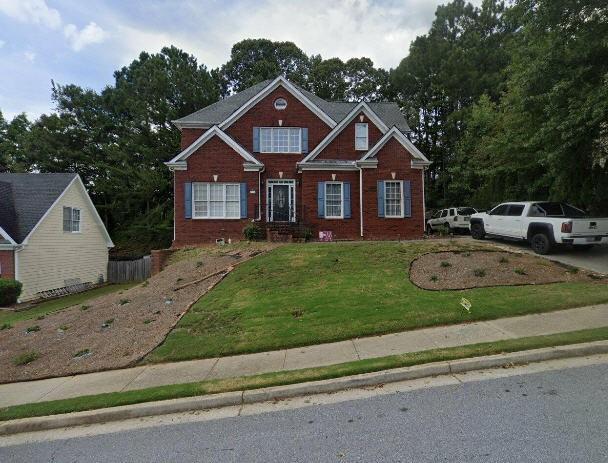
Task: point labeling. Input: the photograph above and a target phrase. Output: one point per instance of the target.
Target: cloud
(2, 43)
(30, 56)
(79, 39)
(32, 12)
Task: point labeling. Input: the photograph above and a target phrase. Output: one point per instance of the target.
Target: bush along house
(295, 166)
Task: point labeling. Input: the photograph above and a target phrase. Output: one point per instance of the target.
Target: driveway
(595, 259)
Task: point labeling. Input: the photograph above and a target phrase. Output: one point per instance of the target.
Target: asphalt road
(551, 416)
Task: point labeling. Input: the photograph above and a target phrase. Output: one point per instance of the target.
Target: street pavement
(548, 412)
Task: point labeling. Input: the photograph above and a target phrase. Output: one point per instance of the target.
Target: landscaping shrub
(10, 290)
(24, 359)
(479, 272)
(307, 234)
(252, 232)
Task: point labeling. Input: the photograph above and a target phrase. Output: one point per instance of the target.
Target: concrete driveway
(595, 259)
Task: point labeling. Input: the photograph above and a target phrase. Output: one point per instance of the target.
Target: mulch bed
(116, 330)
(476, 269)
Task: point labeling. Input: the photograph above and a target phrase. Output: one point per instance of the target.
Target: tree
(13, 138)
(255, 60)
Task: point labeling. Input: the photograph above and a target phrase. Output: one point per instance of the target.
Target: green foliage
(32, 329)
(10, 290)
(479, 272)
(445, 264)
(25, 358)
(520, 271)
(253, 232)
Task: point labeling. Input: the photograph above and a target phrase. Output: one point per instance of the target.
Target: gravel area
(475, 269)
(118, 329)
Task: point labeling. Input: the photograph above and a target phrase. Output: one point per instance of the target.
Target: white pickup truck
(543, 224)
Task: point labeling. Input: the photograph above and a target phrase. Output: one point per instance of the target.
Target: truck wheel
(429, 229)
(477, 231)
(541, 244)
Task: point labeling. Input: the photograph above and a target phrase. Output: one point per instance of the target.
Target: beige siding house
(58, 244)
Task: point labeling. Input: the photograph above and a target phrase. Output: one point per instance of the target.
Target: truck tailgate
(589, 227)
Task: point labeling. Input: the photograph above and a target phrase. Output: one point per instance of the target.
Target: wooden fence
(121, 271)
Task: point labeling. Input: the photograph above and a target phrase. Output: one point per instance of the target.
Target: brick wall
(215, 157)
(343, 146)
(7, 264)
(159, 259)
(189, 136)
(393, 157)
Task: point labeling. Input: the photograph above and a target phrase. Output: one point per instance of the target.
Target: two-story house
(280, 156)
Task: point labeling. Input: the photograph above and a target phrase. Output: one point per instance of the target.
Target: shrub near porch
(309, 294)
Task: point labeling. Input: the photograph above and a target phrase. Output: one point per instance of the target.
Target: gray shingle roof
(337, 110)
(25, 198)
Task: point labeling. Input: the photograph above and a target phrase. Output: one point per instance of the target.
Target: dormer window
(361, 138)
(280, 104)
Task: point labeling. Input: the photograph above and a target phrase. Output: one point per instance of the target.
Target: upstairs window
(71, 220)
(361, 139)
(280, 140)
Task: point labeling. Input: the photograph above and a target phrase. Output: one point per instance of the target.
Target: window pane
(294, 140)
(200, 209)
(233, 193)
(217, 191)
(333, 199)
(200, 191)
(233, 209)
(265, 140)
(393, 199)
(281, 140)
(361, 130)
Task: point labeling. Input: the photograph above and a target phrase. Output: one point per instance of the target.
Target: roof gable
(33, 197)
(214, 131)
(420, 160)
(362, 107)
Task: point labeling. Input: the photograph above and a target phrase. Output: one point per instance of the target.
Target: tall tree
(13, 139)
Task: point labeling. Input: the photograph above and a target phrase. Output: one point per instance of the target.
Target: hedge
(10, 290)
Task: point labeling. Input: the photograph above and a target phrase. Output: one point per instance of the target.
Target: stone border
(283, 392)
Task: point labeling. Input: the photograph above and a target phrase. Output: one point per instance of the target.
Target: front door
(280, 203)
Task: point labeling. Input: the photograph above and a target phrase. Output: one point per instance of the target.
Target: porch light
(333, 177)
(280, 174)
(393, 174)
(215, 176)
(280, 122)
(361, 117)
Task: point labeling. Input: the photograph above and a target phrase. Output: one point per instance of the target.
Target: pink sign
(326, 236)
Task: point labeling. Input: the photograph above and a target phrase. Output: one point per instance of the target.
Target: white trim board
(279, 81)
(204, 138)
(405, 142)
(7, 237)
(361, 107)
(96, 216)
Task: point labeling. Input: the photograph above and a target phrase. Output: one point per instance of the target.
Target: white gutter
(361, 200)
(259, 219)
(423, 204)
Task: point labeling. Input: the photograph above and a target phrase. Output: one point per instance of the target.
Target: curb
(226, 399)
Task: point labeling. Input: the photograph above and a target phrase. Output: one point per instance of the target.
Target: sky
(84, 41)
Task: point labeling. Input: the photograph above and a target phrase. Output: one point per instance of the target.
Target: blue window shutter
(188, 200)
(346, 192)
(407, 198)
(256, 139)
(243, 200)
(304, 140)
(380, 198)
(321, 199)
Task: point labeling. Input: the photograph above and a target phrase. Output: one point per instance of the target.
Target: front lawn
(315, 293)
(44, 308)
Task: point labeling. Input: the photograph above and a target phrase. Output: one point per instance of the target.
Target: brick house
(277, 155)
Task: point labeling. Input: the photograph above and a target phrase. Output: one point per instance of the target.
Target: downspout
(259, 219)
(423, 204)
(16, 263)
(361, 199)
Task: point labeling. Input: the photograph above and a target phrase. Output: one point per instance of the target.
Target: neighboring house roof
(25, 199)
(218, 112)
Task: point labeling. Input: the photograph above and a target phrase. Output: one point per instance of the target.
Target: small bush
(25, 358)
(109, 321)
(199, 264)
(10, 290)
(445, 264)
(466, 254)
(520, 271)
(6, 326)
(307, 234)
(64, 327)
(252, 232)
(124, 301)
(32, 329)
(40, 317)
(148, 321)
(84, 307)
(434, 278)
(82, 353)
(479, 272)
(503, 260)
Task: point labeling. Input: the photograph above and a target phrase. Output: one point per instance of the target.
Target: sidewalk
(304, 357)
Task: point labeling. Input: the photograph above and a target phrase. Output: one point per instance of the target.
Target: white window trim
(79, 220)
(341, 216)
(208, 201)
(272, 132)
(366, 136)
(402, 214)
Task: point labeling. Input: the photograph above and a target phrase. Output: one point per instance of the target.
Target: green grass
(47, 307)
(344, 290)
(115, 399)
